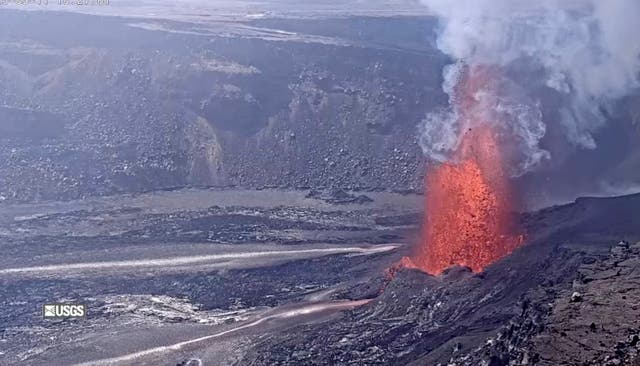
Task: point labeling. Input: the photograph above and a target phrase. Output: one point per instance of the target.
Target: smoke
(585, 52)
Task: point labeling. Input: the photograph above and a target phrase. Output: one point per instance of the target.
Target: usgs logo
(61, 311)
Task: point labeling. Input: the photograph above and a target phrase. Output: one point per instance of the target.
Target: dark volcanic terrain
(175, 266)
(569, 297)
(169, 277)
(133, 105)
(126, 104)
(223, 184)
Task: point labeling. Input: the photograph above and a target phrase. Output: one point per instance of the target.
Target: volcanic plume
(563, 65)
(521, 69)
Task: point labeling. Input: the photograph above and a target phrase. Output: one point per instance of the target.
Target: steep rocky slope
(130, 105)
(137, 104)
(595, 322)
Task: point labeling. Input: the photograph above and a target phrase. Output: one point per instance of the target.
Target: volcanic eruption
(520, 69)
(468, 200)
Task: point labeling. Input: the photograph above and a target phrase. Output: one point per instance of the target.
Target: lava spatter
(468, 202)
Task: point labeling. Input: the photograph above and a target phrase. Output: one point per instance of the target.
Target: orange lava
(468, 203)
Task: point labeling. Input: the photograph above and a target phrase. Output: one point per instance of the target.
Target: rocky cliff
(128, 105)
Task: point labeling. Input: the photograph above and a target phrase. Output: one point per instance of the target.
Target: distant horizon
(197, 10)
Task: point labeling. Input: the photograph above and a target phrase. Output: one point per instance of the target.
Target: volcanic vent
(468, 202)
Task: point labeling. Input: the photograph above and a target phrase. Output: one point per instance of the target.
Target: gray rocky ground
(170, 267)
(108, 132)
(291, 279)
(567, 298)
(133, 103)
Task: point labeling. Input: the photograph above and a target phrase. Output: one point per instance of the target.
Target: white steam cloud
(585, 51)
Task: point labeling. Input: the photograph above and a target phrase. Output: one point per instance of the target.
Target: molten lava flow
(468, 202)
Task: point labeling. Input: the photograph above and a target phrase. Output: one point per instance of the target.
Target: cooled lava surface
(563, 297)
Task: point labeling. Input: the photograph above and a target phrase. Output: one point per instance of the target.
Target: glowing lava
(468, 202)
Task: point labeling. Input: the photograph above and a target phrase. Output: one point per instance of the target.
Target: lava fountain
(468, 201)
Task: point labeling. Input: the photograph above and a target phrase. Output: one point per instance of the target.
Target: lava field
(275, 183)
